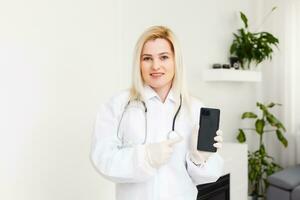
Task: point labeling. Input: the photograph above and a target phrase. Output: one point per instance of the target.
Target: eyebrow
(162, 53)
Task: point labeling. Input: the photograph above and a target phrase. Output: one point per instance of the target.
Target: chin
(157, 85)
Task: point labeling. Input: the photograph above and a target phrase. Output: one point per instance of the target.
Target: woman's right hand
(200, 157)
(158, 154)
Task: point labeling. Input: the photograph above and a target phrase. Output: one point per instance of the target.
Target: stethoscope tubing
(145, 111)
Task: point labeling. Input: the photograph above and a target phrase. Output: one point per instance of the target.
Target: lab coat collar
(150, 93)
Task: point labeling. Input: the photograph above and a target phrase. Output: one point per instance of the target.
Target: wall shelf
(231, 75)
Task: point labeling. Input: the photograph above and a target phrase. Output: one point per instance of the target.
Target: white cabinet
(236, 164)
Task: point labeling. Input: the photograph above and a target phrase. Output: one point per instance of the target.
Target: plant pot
(235, 62)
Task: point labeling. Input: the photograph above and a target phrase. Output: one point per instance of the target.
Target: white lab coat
(128, 167)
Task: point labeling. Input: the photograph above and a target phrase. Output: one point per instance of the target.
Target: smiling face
(158, 65)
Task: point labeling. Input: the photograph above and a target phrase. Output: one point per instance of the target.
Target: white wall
(61, 59)
(282, 77)
(58, 63)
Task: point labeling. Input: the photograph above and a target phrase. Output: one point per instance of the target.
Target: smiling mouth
(158, 74)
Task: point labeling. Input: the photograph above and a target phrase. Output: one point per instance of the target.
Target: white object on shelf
(231, 75)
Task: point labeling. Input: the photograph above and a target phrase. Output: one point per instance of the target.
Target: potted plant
(251, 47)
(260, 164)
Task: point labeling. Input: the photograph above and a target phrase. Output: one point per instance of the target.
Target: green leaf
(275, 122)
(233, 48)
(281, 138)
(263, 108)
(280, 125)
(249, 115)
(270, 105)
(265, 162)
(244, 18)
(241, 136)
(259, 125)
(236, 36)
(262, 150)
(274, 8)
(277, 166)
(272, 119)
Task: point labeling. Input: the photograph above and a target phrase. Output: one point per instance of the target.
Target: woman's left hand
(200, 157)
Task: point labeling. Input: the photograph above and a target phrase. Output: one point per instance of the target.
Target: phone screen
(208, 126)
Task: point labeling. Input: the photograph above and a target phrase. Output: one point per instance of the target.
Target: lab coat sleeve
(120, 165)
(208, 172)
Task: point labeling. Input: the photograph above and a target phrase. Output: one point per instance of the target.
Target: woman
(145, 138)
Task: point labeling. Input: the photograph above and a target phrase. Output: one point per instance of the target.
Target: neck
(163, 92)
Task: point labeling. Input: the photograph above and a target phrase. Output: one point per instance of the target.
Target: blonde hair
(178, 84)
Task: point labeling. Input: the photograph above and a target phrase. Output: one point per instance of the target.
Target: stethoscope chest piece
(174, 135)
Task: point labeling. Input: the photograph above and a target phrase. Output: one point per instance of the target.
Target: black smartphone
(208, 126)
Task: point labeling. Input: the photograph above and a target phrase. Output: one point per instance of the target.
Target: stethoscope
(171, 134)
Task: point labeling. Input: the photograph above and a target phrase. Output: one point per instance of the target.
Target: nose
(155, 64)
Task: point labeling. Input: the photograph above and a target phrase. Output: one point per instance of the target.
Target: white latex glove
(159, 153)
(200, 157)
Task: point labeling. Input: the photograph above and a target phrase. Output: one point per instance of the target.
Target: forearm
(122, 165)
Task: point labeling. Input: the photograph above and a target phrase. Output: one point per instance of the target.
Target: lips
(156, 74)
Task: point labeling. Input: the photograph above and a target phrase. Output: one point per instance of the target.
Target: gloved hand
(159, 153)
(199, 157)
